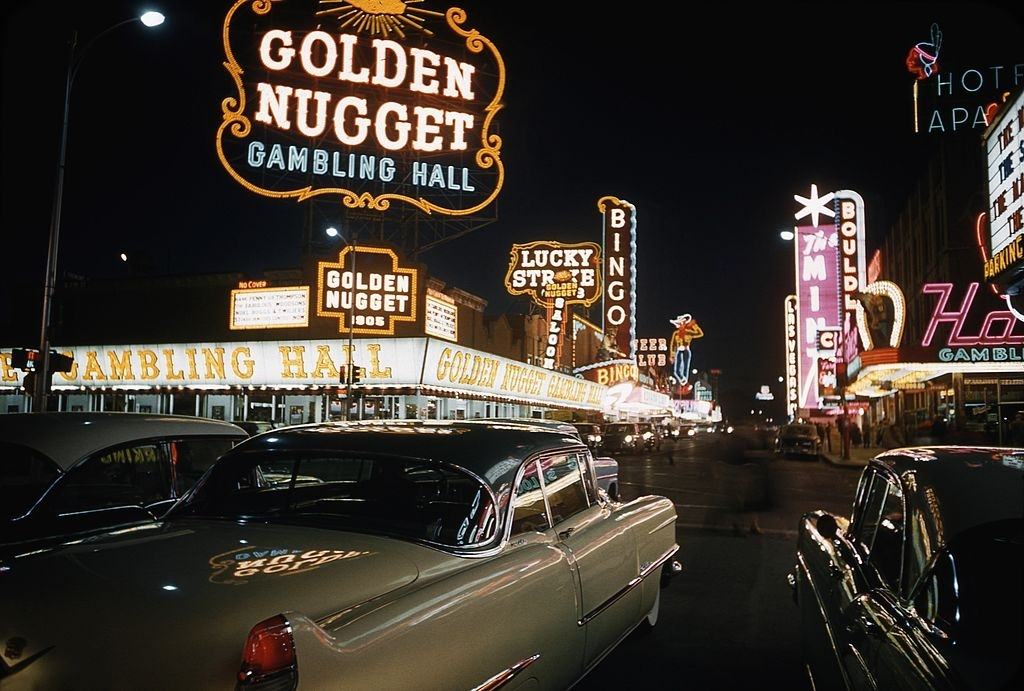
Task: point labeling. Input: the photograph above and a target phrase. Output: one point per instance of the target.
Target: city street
(728, 621)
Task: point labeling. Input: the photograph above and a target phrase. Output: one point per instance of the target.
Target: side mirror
(827, 526)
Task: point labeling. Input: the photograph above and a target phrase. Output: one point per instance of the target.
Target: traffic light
(59, 362)
(355, 373)
(30, 360)
(25, 359)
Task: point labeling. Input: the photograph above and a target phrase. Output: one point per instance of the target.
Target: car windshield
(374, 494)
(619, 429)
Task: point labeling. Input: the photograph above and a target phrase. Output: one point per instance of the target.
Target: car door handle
(859, 622)
(566, 533)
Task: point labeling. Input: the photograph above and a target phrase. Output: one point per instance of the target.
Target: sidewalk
(859, 456)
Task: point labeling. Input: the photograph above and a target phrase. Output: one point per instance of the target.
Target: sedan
(623, 436)
(64, 473)
(396, 555)
(921, 587)
(798, 439)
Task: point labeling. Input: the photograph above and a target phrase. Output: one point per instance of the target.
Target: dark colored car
(255, 426)
(651, 434)
(922, 587)
(798, 439)
(623, 436)
(590, 434)
(64, 473)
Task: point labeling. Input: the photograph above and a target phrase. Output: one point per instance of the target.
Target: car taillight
(268, 659)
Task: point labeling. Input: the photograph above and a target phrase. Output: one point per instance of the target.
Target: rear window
(373, 494)
(25, 475)
(800, 430)
(619, 429)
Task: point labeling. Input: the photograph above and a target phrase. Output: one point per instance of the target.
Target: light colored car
(64, 473)
(442, 555)
(605, 467)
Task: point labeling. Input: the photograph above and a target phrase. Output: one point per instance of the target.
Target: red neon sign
(991, 333)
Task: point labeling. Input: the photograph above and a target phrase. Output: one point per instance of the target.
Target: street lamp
(42, 383)
(333, 232)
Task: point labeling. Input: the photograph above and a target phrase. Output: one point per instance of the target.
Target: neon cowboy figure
(686, 331)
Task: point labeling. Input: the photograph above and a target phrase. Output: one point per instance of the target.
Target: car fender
(497, 612)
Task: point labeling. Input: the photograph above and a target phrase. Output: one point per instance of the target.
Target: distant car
(622, 436)
(64, 473)
(590, 434)
(255, 426)
(798, 439)
(481, 545)
(651, 434)
(922, 587)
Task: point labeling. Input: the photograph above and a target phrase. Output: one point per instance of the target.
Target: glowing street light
(331, 232)
(786, 235)
(152, 18)
(75, 57)
(124, 257)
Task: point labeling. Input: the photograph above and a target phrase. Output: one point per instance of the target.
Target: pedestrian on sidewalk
(855, 436)
(867, 432)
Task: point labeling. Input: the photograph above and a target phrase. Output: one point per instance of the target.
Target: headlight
(647, 435)
(691, 432)
(597, 438)
(628, 439)
(729, 429)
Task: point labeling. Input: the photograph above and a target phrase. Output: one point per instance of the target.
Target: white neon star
(814, 205)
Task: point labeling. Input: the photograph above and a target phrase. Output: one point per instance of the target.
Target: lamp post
(42, 382)
(350, 365)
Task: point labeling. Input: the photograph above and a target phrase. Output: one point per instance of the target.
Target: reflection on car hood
(126, 600)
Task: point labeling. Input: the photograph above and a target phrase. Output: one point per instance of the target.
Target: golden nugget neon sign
(339, 104)
(376, 295)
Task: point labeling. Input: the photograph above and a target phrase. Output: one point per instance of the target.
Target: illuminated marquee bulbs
(338, 107)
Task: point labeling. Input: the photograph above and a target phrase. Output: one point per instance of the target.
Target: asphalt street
(728, 621)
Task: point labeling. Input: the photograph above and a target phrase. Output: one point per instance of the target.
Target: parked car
(651, 435)
(404, 545)
(255, 426)
(921, 587)
(798, 439)
(623, 436)
(64, 473)
(606, 467)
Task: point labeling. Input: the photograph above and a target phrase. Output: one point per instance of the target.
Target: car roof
(961, 486)
(66, 438)
(491, 450)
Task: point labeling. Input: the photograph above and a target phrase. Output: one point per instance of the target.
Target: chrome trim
(506, 675)
(646, 571)
(824, 618)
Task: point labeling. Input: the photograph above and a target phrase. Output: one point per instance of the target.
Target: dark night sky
(707, 118)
